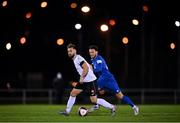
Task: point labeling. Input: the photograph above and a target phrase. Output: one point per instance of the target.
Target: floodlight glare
(8, 46)
(104, 27)
(85, 9)
(177, 23)
(78, 26)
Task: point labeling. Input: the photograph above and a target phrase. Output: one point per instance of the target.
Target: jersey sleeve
(98, 66)
(80, 60)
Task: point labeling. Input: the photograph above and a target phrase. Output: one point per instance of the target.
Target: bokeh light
(135, 22)
(145, 8)
(8, 46)
(60, 41)
(73, 5)
(78, 26)
(177, 23)
(23, 40)
(4, 3)
(172, 46)
(85, 9)
(44, 4)
(112, 22)
(28, 15)
(104, 27)
(125, 40)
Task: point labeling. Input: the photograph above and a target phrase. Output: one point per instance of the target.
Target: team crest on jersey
(99, 61)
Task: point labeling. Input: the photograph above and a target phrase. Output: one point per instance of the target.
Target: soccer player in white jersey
(86, 82)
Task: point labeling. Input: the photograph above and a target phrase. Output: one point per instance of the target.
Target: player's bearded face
(71, 52)
(92, 53)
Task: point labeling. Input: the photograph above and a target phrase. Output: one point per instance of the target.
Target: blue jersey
(105, 78)
(100, 67)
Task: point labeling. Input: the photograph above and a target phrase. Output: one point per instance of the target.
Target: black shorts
(88, 87)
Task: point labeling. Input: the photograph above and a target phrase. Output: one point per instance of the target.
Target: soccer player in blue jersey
(106, 79)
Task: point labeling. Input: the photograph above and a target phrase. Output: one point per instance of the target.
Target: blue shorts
(108, 83)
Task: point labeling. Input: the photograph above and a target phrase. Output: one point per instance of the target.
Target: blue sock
(128, 101)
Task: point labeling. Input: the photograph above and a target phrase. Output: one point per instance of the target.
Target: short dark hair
(71, 46)
(93, 47)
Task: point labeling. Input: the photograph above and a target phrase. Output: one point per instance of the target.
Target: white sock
(134, 107)
(70, 104)
(104, 103)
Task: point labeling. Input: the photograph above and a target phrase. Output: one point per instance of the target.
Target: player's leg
(104, 103)
(96, 106)
(113, 86)
(99, 101)
(124, 98)
(128, 101)
(72, 98)
(100, 91)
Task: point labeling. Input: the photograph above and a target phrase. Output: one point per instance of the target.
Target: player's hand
(73, 84)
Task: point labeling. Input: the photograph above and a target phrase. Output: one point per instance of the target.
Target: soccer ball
(82, 111)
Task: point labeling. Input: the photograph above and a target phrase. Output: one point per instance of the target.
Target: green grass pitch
(48, 113)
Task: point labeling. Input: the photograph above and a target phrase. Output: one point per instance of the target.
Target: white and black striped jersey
(78, 61)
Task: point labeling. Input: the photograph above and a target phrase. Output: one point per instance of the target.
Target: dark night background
(146, 62)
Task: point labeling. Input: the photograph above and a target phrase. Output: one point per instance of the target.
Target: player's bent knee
(119, 95)
(75, 92)
(93, 99)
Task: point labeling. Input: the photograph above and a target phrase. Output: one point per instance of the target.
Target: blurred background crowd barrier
(51, 96)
